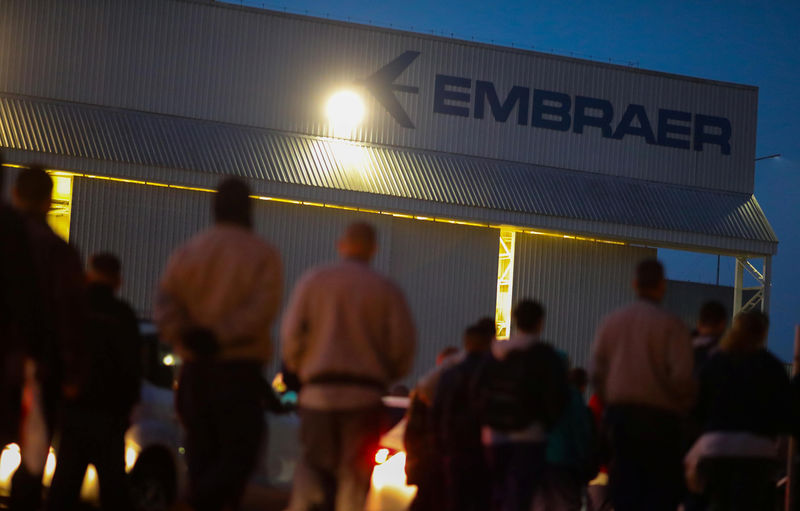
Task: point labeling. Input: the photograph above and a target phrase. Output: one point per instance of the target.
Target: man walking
(57, 350)
(348, 334)
(217, 299)
(642, 371)
(93, 422)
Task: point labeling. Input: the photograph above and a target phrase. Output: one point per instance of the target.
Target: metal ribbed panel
(449, 275)
(142, 224)
(447, 271)
(577, 282)
(259, 68)
(152, 140)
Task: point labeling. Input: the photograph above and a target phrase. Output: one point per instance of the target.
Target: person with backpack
(641, 369)
(94, 421)
(744, 405)
(572, 452)
(523, 392)
(456, 424)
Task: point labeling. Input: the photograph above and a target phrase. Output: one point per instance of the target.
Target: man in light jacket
(642, 365)
(347, 333)
(216, 302)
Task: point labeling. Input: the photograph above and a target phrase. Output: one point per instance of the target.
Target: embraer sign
(545, 109)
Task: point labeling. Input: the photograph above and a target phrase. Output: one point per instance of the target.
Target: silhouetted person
(348, 334)
(743, 405)
(711, 324)
(456, 422)
(642, 371)
(93, 422)
(423, 459)
(217, 299)
(58, 351)
(525, 391)
(19, 315)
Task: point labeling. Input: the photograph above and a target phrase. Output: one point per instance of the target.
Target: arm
(255, 315)
(402, 337)
(295, 327)
(681, 365)
(132, 360)
(71, 311)
(169, 313)
(598, 364)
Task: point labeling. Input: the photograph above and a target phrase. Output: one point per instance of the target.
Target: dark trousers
(467, 482)
(430, 491)
(85, 437)
(739, 484)
(517, 471)
(338, 452)
(220, 405)
(646, 470)
(561, 491)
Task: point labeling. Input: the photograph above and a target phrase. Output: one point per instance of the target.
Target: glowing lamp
(345, 111)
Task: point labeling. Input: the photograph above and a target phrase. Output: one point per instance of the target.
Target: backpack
(528, 385)
(574, 441)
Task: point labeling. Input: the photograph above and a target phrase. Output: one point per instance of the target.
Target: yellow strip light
(332, 206)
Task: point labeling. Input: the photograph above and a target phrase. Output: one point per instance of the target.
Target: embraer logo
(535, 108)
(382, 87)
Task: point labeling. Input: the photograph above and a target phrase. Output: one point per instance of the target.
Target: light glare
(345, 110)
(9, 462)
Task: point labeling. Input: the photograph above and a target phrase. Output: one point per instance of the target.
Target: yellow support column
(505, 281)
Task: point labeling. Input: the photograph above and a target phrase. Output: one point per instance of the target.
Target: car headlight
(10, 459)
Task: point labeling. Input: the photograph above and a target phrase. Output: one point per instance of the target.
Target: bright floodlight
(345, 111)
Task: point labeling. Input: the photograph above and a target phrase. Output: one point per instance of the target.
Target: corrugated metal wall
(260, 68)
(447, 271)
(577, 282)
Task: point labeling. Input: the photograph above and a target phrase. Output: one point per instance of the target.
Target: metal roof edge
(664, 238)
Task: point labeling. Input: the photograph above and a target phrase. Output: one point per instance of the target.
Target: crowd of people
(673, 419)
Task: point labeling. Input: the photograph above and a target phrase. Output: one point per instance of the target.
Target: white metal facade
(447, 271)
(260, 68)
(184, 91)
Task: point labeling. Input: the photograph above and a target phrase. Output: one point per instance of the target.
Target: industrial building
(492, 173)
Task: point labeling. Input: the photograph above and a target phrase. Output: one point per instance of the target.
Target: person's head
(358, 242)
(445, 353)
(105, 268)
(578, 378)
(748, 334)
(232, 203)
(478, 337)
(712, 320)
(32, 193)
(649, 282)
(528, 317)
